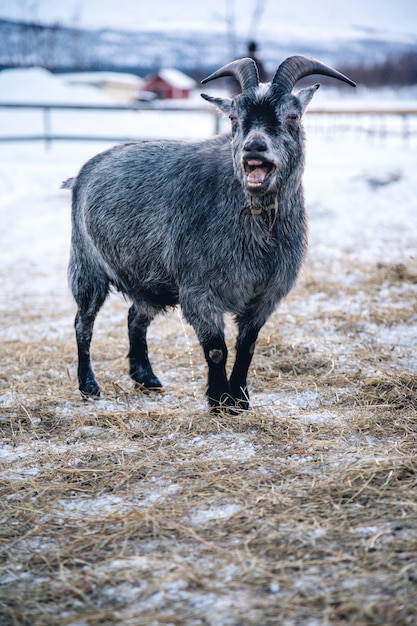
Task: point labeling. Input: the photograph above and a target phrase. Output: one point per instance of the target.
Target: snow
(215, 513)
(367, 218)
(37, 85)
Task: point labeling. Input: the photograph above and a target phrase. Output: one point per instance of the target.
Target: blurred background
(63, 65)
(374, 42)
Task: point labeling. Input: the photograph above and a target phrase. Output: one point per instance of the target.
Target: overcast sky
(396, 16)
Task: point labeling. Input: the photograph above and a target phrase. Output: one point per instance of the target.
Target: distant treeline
(395, 71)
(69, 49)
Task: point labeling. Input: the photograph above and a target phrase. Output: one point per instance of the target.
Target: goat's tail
(68, 184)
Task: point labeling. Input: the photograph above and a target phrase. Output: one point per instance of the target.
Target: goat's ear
(304, 96)
(221, 103)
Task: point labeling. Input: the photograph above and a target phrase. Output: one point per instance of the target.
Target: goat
(217, 226)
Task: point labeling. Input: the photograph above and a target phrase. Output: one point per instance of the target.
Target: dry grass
(147, 510)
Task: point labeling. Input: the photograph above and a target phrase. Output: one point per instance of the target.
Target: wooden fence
(376, 122)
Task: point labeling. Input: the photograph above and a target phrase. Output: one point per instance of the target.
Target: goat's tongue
(255, 172)
(256, 176)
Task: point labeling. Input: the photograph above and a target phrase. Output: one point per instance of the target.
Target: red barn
(169, 84)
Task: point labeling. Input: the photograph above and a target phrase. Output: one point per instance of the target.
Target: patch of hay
(147, 509)
(398, 273)
(397, 390)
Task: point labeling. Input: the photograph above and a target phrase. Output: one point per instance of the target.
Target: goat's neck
(262, 205)
(256, 208)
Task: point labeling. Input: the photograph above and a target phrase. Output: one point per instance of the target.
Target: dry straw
(146, 509)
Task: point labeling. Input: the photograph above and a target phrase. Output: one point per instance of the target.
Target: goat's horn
(294, 68)
(244, 70)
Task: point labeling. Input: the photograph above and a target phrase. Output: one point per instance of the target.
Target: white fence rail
(375, 122)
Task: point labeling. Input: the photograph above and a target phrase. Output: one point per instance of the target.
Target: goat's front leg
(245, 347)
(218, 390)
(208, 325)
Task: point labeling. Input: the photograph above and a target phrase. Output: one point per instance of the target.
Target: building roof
(102, 77)
(177, 79)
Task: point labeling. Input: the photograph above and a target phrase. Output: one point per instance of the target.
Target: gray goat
(217, 226)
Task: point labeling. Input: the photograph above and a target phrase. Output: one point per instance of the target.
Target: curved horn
(244, 70)
(294, 68)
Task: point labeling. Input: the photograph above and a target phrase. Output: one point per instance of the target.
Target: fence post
(47, 127)
(406, 129)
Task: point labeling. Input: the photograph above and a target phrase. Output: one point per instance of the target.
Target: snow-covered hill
(61, 47)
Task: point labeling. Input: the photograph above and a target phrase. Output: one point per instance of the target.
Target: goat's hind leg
(140, 368)
(87, 383)
(90, 291)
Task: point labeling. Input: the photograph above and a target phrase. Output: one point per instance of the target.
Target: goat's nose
(256, 144)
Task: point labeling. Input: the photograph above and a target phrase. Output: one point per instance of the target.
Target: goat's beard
(265, 202)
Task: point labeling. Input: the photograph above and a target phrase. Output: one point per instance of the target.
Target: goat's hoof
(89, 390)
(144, 378)
(241, 397)
(153, 383)
(148, 386)
(229, 405)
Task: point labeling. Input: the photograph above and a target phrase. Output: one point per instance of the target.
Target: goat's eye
(293, 117)
(232, 118)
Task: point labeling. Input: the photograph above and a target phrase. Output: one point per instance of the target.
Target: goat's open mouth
(258, 173)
